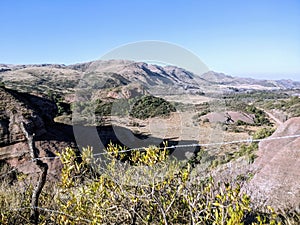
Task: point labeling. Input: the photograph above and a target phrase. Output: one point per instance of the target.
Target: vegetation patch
(260, 117)
(87, 194)
(151, 106)
(290, 106)
(139, 107)
(256, 96)
(245, 150)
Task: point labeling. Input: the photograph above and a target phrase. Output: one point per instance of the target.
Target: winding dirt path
(278, 122)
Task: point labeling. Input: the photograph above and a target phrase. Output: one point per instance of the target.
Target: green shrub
(151, 106)
(174, 199)
(104, 109)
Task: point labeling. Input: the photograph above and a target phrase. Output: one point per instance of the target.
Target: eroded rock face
(277, 180)
(37, 113)
(14, 109)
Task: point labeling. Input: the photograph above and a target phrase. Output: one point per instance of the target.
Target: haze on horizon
(259, 39)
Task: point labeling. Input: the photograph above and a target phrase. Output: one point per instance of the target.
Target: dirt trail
(278, 122)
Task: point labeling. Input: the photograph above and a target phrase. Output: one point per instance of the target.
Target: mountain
(161, 80)
(248, 83)
(104, 74)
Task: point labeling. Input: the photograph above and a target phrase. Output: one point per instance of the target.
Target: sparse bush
(250, 149)
(204, 112)
(134, 124)
(241, 123)
(245, 150)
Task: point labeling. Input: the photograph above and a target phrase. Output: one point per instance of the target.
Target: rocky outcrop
(276, 181)
(37, 113)
(14, 109)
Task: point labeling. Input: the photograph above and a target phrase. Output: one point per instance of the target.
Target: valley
(207, 120)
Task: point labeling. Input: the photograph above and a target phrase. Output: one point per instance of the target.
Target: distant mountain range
(114, 73)
(226, 80)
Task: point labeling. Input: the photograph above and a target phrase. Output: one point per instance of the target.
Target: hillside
(62, 79)
(38, 114)
(277, 168)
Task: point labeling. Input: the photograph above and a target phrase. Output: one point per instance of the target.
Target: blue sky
(258, 38)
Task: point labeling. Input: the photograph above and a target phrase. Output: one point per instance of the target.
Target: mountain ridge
(51, 76)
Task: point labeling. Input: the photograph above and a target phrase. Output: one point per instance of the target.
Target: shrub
(140, 107)
(176, 198)
(206, 120)
(291, 106)
(153, 191)
(250, 149)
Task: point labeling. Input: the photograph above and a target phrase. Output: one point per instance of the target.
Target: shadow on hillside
(96, 137)
(44, 107)
(99, 137)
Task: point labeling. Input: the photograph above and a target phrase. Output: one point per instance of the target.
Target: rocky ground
(277, 168)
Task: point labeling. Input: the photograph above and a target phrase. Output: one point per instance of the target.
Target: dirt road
(278, 122)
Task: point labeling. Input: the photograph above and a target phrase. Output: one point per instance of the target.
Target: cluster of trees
(151, 106)
(260, 118)
(257, 96)
(63, 108)
(140, 107)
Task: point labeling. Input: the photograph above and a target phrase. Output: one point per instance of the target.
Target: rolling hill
(41, 79)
